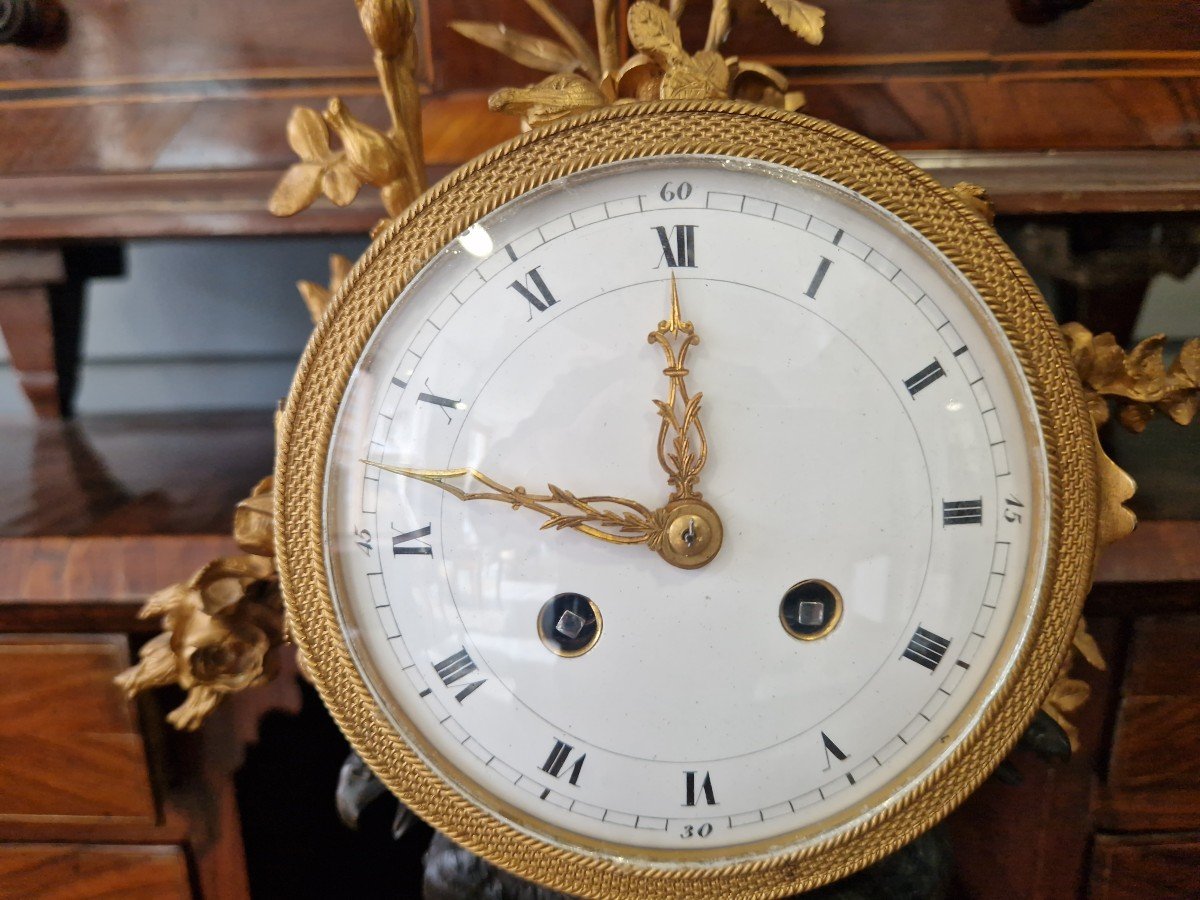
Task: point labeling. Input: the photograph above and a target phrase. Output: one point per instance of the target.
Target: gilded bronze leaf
(541, 54)
(803, 19)
(297, 189)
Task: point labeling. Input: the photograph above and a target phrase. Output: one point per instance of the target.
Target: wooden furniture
(152, 119)
(98, 798)
(156, 118)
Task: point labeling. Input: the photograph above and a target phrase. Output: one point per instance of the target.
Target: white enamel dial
(866, 428)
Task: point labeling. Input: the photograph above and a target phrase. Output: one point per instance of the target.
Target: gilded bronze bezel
(654, 129)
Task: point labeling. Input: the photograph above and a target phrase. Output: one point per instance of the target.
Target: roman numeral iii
(926, 648)
(705, 789)
(539, 296)
(559, 757)
(962, 512)
(456, 667)
(678, 246)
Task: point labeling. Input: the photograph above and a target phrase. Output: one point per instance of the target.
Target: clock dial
(872, 461)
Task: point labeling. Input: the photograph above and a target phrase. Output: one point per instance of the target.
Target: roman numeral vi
(706, 789)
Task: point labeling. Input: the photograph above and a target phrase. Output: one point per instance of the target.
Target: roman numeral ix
(456, 667)
(926, 648)
(678, 247)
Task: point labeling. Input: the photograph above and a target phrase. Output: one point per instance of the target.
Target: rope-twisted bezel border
(627, 132)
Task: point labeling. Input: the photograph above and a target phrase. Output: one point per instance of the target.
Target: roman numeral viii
(962, 512)
(706, 789)
(678, 246)
(455, 668)
(559, 757)
(539, 296)
(924, 378)
(409, 543)
(926, 648)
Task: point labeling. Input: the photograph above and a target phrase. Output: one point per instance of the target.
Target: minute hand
(611, 519)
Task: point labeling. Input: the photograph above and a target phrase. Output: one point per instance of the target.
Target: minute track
(409, 371)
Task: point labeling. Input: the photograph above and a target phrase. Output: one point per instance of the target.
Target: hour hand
(682, 445)
(611, 519)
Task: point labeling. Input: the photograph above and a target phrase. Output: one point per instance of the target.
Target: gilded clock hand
(680, 412)
(593, 516)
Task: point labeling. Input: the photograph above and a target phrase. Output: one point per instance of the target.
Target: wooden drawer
(1143, 868)
(92, 872)
(1154, 769)
(70, 751)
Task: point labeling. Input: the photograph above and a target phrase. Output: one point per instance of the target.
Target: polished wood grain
(1044, 822)
(69, 751)
(1140, 868)
(94, 584)
(92, 872)
(127, 475)
(1153, 778)
(1156, 552)
(138, 126)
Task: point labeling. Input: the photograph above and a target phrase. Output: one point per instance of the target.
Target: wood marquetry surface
(161, 117)
(70, 751)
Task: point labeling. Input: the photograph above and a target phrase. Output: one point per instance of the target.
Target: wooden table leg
(41, 312)
(27, 322)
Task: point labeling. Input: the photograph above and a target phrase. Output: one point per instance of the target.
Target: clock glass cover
(740, 616)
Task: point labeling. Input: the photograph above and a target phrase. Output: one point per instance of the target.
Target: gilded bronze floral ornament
(221, 626)
(659, 69)
(391, 160)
